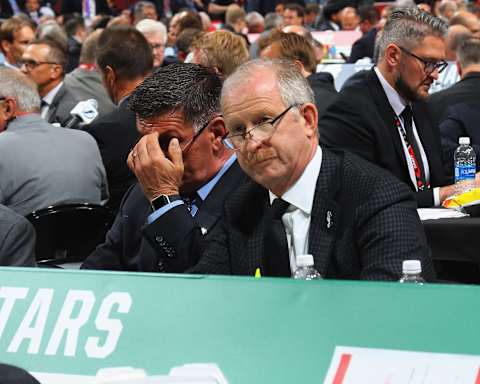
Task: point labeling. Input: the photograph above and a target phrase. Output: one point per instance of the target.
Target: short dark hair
(57, 53)
(74, 24)
(191, 19)
(297, 8)
(186, 38)
(126, 51)
(190, 89)
(368, 13)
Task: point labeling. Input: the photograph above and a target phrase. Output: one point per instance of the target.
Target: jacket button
(159, 239)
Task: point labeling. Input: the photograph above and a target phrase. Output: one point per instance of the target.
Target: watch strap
(163, 200)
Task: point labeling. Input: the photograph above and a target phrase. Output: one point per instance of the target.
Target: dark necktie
(407, 123)
(192, 202)
(276, 259)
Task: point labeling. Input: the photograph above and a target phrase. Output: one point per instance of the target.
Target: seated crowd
(217, 145)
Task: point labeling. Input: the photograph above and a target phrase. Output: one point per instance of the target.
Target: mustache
(252, 158)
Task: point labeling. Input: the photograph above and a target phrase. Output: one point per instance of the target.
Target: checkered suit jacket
(364, 224)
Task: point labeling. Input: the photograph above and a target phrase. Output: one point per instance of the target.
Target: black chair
(68, 233)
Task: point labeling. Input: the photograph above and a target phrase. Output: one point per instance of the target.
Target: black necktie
(276, 259)
(407, 123)
(192, 200)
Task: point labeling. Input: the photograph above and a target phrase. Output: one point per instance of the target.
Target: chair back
(68, 233)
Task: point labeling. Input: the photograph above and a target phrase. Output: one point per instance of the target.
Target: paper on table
(351, 365)
(439, 213)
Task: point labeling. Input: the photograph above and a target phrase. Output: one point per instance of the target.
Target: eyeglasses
(262, 131)
(428, 65)
(32, 64)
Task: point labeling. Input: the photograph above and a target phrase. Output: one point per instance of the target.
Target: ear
(56, 72)
(5, 45)
(392, 55)
(310, 114)
(10, 108)
(110, 78)
(217, 131)
(299, 65)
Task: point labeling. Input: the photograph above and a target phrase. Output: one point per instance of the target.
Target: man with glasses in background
(184, 174)
(44, 62)
(357, 221)
(381, 114)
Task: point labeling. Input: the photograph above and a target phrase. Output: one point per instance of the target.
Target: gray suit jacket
(17, 240)
(62, 104)
(41, 165)
(87, 84)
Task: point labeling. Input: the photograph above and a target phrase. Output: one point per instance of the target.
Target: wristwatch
(163, 200)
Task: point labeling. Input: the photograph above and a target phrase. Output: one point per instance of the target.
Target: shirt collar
(207, 188)
(301, 194)
(48, 98)
(396, 101)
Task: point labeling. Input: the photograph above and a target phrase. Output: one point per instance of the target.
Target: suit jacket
(116, 134)
(465, 91)
(17, 239)
(75, 6)
(462, 120)
(62, 104)
(174, 235)
(88, 84)
(323, 90)
(41, 165)
(361, 120)
(363, 225)
(363, 47)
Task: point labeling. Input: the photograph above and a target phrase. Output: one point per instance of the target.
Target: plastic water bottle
(412, 272)
(305, 269)
(465, 166)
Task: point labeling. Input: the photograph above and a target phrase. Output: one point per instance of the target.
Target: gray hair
(52, 31)
(147, 26)
(292, 86)
(254, 18)
(273, 20)
(408, 27)
(15, 84)
(469, 52)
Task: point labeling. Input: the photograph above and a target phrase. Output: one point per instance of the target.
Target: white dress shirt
(48, 99)
(296, 219)
(398, 105)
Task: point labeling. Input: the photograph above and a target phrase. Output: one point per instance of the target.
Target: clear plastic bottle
(464, 160)
(305, 269)
(412, 272)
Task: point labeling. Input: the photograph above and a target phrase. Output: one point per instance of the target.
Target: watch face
(163, 200)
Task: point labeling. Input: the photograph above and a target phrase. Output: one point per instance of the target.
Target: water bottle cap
(464, 140)
(411, 266)
(305, 261)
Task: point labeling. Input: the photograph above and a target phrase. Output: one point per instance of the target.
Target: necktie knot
(278, 208)
(407, 114)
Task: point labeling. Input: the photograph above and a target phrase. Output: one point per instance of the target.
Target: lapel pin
(329, 219)
(203, 230)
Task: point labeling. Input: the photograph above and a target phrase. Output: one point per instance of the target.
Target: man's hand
(157, 174)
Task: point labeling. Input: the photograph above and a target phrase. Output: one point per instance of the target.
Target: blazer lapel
(387, 114)
(325, 216)
(52, 109)
(211, 209)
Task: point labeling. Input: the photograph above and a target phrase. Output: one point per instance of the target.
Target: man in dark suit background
(358, 221)
(381, 114)
(297, 48)
(364, 46)
(44, 61)
(124, 59)
(457, 109)
(75, 6)
(184, 172)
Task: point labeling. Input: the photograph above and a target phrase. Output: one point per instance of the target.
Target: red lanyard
(416, 167)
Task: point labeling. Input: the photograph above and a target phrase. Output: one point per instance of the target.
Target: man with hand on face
(184, 174)
(356, 220)
(381, 114)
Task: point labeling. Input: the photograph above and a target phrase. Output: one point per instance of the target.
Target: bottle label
(464, 172)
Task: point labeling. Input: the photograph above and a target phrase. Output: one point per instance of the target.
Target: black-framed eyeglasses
(32, 64)
(262, 131)
(428, 65)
